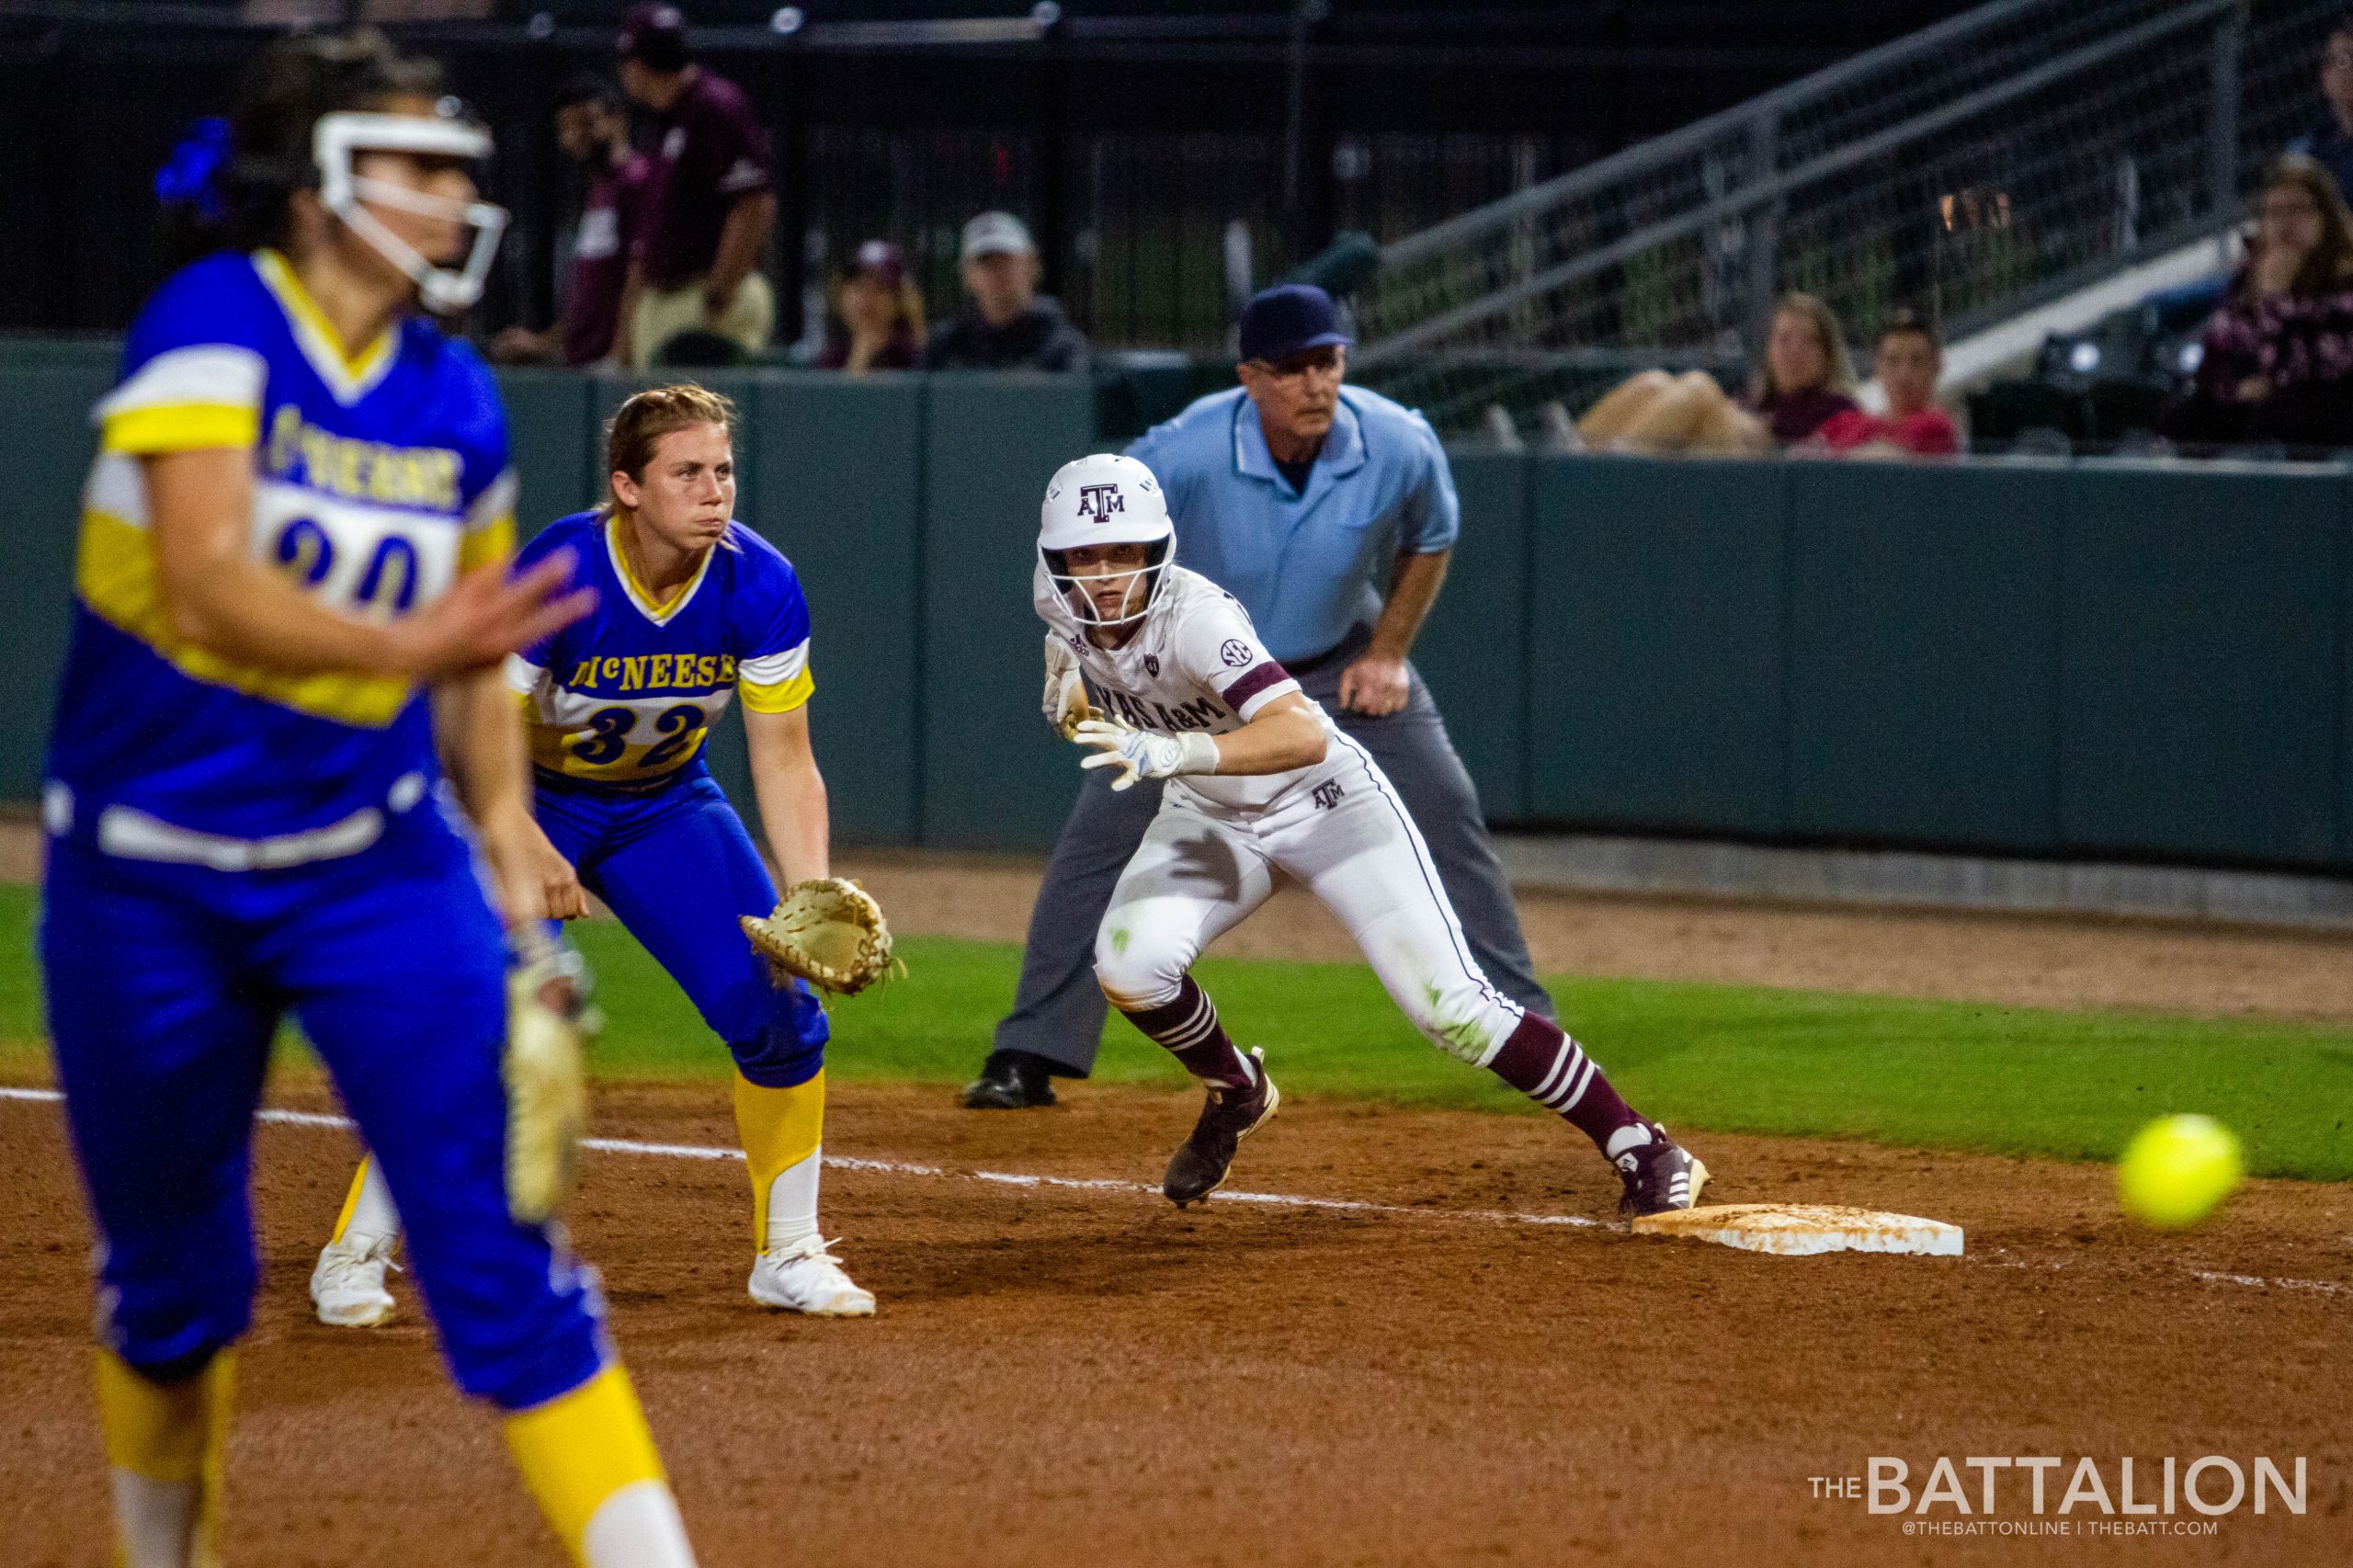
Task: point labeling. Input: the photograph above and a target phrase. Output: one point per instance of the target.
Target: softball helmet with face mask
(339, 137)
(1106, 499)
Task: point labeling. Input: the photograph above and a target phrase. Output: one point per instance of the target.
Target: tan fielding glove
(1065, 702)
(830, 932)
(548, 1024)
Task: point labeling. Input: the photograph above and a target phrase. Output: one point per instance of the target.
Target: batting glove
(1140, 756)
(1066, 703)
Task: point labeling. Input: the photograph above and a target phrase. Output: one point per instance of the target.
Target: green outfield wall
(2104, 659)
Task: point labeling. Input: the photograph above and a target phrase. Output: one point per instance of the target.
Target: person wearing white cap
(1005, 323)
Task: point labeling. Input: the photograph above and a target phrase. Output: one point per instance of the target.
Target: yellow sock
(368, 1208)
(351, 1199)
(781, 1129)
(167, 1444)
(590, 1461)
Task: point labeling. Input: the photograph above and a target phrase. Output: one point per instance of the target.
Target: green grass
(1935, 1074)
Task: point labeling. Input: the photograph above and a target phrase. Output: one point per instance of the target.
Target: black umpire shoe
(1659, 1175)
(1010, 1080)
(1198, 1167)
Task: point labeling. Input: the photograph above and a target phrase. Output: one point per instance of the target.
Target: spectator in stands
(1804, 378)
(592, 127)
(1910, 361)
(2278, 361)
(877, 319)
(2330, 143)
(1005, 323)
(707, 222)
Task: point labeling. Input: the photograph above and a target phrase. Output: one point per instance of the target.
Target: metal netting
(1974, 170)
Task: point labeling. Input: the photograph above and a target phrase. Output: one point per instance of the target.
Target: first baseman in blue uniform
(693, 609)
(290, 606)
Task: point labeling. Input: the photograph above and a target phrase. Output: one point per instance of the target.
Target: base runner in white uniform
(1264, 783)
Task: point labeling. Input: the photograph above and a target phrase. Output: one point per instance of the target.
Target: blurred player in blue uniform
(692, 609)
(291, 609)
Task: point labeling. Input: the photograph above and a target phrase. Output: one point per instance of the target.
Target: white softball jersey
(1194, 664)
(1219, 846)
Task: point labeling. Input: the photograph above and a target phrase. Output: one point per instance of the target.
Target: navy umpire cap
(654, 36)
(1288, 319)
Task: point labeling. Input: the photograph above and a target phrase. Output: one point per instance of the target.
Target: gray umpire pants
(1058, 1011)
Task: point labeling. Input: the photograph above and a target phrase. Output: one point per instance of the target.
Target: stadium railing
(1974, 170)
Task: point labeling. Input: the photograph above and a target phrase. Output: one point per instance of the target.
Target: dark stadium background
(1130, 134)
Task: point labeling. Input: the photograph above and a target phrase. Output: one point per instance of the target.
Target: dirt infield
(1087, 1377)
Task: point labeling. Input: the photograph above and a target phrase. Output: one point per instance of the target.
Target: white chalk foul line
(904, 1168)
(2325, 1287)
(1099, 1184)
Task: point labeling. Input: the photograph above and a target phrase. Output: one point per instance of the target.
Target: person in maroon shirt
(1806, 377)
(711, 207)
(1909, 363)
(1803, 378)
(592, 127)
(2276, 363)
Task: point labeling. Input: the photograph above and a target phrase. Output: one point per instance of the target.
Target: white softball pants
(1349, 842)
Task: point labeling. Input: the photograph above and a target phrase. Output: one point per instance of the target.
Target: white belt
(130, 834)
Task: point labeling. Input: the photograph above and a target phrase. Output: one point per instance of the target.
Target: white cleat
(809, 1279)
(348, 1287)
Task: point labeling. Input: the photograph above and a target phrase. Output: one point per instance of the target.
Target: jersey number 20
(389, 579)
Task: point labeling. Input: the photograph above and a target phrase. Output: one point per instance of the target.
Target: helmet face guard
(335, 142)
(1077, 594)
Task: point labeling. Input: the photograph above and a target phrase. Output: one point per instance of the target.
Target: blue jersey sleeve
(195, 364)
(580, 534)
(772, 632)
(487, 483)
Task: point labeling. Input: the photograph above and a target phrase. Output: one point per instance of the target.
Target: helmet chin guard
(338, 137)
(1101, 500)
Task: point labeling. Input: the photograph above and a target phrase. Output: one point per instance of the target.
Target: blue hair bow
(191, 176)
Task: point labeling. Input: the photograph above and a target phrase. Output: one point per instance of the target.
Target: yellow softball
(2177, 1169)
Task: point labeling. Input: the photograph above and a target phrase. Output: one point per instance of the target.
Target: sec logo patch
(1236, 653)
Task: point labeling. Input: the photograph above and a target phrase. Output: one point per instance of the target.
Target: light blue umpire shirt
(1308, 567)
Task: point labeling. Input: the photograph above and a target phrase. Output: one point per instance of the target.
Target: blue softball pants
(676, 866)
(165, 985)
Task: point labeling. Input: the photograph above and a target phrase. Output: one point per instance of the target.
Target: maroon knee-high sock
(1189, 1027)
(1553, 1070)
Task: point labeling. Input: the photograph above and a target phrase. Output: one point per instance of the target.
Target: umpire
(1301, 497)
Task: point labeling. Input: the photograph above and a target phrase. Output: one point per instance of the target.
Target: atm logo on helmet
(1099, 502)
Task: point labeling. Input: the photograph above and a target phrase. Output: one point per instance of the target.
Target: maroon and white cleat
(1659, 1175)
(1198, 1167)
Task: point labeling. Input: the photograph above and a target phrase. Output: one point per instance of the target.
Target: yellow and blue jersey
(377, 479)
(625, 696)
